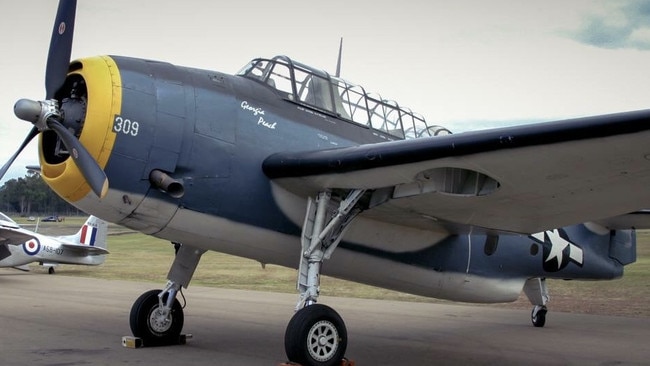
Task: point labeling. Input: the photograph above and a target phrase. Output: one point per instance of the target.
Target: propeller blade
(89, 168)
(58, 58)
(29, 138)
(44, 114)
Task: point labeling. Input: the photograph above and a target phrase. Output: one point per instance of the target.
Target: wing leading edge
(521, 179)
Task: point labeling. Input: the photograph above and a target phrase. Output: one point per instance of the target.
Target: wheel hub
(323, 341)
(158, 321)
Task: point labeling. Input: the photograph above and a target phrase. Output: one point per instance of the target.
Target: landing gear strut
(316, 335)
(157, 316)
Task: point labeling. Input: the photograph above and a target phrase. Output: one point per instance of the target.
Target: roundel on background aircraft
(32, 247)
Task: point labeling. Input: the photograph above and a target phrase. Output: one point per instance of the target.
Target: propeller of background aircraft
(46, 115)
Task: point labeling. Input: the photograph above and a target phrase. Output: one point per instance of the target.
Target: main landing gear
(316, 335)
(154, 323)
(157, 316)
(536, 291)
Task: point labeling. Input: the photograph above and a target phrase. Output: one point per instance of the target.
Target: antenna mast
(338, 62)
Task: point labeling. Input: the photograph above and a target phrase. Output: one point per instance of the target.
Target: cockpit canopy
(318, 89)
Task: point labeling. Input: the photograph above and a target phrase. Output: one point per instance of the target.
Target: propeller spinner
(47, 115)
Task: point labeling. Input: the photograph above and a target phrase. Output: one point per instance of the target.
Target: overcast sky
(462, 64)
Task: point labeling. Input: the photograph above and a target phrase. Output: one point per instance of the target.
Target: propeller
(46, 115)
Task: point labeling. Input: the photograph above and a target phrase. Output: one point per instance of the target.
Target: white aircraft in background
(19, 247)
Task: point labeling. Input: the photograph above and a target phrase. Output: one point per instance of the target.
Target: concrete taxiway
(61, 320)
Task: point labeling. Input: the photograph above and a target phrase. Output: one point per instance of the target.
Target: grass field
(138, 257)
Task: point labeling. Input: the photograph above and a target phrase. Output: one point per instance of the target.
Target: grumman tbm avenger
(286, 164)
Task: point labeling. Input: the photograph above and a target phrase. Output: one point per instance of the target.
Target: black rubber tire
(139, 320)
(50, 270)
(307, 328)
(538, 320)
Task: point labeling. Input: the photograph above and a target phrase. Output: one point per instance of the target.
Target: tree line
(30, 196)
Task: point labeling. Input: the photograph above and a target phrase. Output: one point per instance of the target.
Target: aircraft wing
(522, 179)
(14, 236)
(638, 220)
(84, 250)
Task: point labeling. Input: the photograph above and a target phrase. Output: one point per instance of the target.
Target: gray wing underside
(522, 179)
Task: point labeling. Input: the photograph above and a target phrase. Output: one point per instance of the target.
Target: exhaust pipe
(167, 184)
